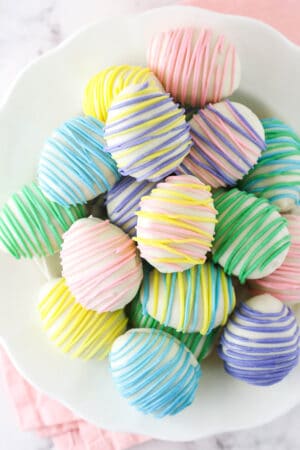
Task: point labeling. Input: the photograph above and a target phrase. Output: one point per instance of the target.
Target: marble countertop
(28, 29)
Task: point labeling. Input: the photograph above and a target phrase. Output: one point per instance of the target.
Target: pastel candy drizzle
(176, 223)
(155, 372)
(123, 201)
(284, 283)
(251, 238)
(31, 225)
(103, 87)
(195, 66)
(196, 300)
(100, 264)
(83, 334)
(260, 348)
(198, 344)
(146, 133)
(276, 176)
(73, 166)
(225, 144)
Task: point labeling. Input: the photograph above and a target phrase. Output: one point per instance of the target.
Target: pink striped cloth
(47, 417)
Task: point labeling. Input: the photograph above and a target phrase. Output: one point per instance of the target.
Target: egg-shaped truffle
(31, 225)
(123, 201)
(146, 133)
(103, 87)
(200, 345)
(197, 66)
(100, 264)
(81, 333)
(284, 283)
(227, 140)
(251, 238)
(196, 300)
(176, 224)
(74, 167)
(156, 373)
(260, 344)
(276, 176)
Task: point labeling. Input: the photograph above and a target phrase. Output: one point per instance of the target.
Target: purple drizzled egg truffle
(146, 133)
(260, 344)
(228, 139)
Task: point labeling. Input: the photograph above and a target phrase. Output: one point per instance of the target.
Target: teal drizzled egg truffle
(198, 299)
(156, 373)
(74, 167)
(146, 133)
(123, 201)
(31, 225)
(276, 176)
(260, 344)
(200, 345)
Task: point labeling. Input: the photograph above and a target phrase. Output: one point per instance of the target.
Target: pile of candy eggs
(158, 219)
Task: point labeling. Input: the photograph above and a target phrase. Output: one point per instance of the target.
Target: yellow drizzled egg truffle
(196, 300)
(176, 224)
(146, 133)
(103, 87)
(75, 330)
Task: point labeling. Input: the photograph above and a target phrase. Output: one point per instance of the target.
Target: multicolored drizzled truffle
(81, 333)
(260, 344)
(197, 66)
(196, 300)
(251, 238)
(200, 345)
(155, 372)
(284, 283)
(227, 141)
(146, 133)
(176, 224)
(123, 201)
(276, 176)
(74, 167)
(103, 87)
(100, 264)
(31, 225)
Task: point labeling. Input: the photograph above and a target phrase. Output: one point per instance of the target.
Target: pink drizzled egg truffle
(100, 264)
(227, 139)
(197, 66)
(284, 283)
(176, 223)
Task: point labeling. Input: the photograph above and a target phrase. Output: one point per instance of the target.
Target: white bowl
(48, 92)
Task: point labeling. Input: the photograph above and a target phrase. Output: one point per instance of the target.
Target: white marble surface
(28, 28)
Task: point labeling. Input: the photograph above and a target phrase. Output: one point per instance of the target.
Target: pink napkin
(47, 417)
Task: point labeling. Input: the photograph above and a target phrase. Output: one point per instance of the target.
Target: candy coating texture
(123, 201)
(251, 238)
(284, 283)
(227, 141)
(197, 66)
(31, 225)
(196, 300)
(100, 264)
(74, 167)
(81, 333)
(146, 133)
(176, 224)
(276, 176)
(260, 344)
(155, 372)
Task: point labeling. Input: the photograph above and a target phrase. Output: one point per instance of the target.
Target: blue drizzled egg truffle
(74, 167)
(260, 344)
(156, 373)
(123, 201)
(276, 176)
(146, 133)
